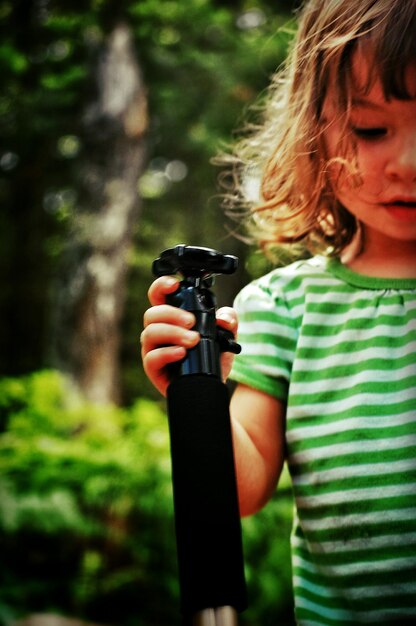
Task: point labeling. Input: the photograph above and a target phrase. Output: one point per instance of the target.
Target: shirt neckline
(346, 274)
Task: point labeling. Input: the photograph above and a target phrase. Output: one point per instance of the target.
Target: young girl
(327, 374)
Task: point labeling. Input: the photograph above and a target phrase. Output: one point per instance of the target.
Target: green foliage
(86, 522)
(85, 505)
(267, 556)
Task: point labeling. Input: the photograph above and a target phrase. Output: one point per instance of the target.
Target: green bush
(86, 516)
(267, 559)
(85, 505)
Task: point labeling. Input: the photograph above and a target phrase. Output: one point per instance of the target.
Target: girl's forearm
(258, 438)
(254, 483)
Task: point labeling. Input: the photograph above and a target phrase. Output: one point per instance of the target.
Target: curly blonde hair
(286, 153)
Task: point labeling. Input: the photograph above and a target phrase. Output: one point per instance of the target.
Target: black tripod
(207, 522)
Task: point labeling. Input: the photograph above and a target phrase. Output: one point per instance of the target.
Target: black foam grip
(208, 528)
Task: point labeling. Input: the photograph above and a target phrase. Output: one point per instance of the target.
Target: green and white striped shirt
(340, 349)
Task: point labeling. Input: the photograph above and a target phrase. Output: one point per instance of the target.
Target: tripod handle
(207, 521)
(204, 358)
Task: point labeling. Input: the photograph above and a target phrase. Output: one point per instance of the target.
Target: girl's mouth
(402, 209)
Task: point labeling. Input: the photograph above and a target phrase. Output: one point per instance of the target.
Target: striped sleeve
(268, 336)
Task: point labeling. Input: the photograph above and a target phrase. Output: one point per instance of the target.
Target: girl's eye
(369, 133)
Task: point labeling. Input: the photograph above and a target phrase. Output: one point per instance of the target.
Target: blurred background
(111, 112)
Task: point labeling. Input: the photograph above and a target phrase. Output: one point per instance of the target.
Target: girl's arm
(258, 424)
(257, 418)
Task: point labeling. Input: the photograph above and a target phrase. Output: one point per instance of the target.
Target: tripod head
(194, 263)
(198, 267)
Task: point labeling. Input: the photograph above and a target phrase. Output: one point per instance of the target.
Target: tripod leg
(221, 616)
(208, 530)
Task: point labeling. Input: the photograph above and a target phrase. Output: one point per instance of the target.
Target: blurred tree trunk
(91, 283)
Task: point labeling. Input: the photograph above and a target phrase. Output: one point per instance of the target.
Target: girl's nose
(401, 163)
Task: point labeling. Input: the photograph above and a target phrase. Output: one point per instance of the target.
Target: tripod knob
(227, 342)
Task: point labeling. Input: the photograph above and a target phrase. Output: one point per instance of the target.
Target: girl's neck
(390, 258)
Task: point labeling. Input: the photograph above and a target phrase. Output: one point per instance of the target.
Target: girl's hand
(168, 333)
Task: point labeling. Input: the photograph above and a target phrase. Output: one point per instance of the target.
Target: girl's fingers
(160, 334)
(155, 362)
(227, 318)
(164, 313)
(160, 288)
(166, 335)
(162, 344)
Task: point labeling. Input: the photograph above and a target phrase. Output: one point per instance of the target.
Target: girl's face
(382, 138)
